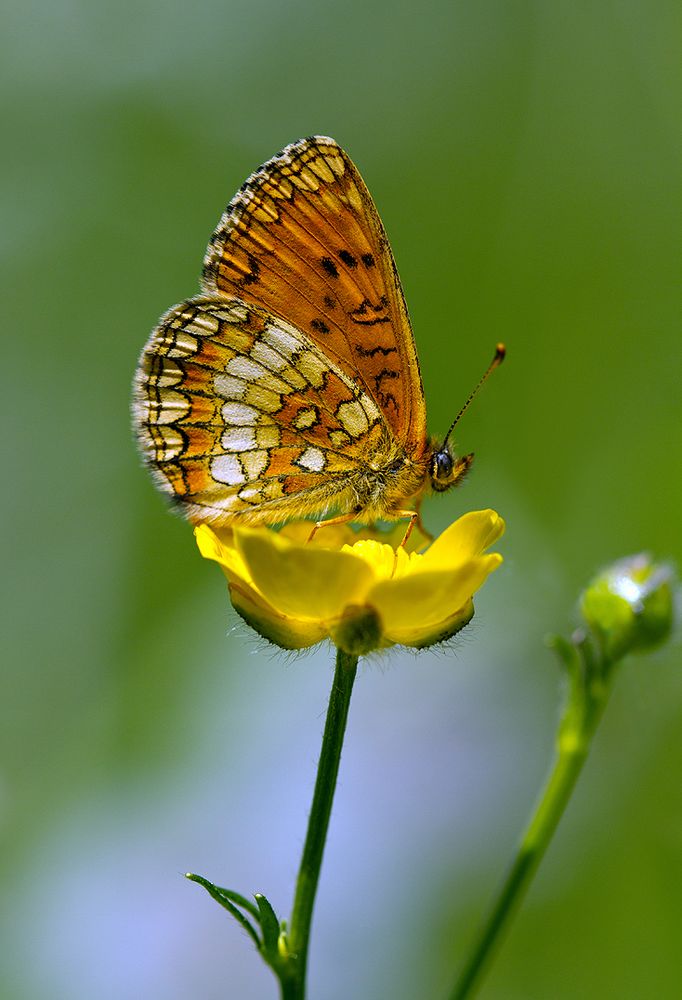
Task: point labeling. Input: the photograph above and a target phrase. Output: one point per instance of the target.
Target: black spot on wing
(385, 373)
(371, 352)
(367, 314)
(253, 273)
(330, 267)
(348, 258)
(385, 399)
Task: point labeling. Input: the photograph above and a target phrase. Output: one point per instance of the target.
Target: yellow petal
(212, 547)
(301, 581)
(421, 600)
(468, 536)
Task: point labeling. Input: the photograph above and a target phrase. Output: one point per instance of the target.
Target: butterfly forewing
(303, 239)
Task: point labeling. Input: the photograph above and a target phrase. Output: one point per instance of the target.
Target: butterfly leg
(414, 518)
(415, 521)
(418, 521)
(341, 519)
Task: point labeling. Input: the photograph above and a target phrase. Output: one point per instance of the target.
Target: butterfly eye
(445, 470)
(442, 465)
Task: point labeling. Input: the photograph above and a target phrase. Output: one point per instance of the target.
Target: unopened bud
(629, 606)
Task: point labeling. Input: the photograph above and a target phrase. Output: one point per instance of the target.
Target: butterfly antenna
(500, 352)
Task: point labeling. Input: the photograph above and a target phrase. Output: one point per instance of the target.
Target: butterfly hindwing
(303, 240)
(238, 411)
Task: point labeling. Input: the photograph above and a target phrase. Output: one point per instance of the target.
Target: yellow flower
(362, 593)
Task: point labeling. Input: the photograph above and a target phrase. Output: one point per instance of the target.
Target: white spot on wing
(245, 368)
(229, 387)
(266, 356)
(239, 415)
(312, 459)
(239, 439)
(353, 418)
(249, 493)
(236, 312)
(282, 341)
(204, 323)
(227, 469)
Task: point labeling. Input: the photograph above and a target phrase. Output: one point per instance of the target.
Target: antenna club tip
(500, 354)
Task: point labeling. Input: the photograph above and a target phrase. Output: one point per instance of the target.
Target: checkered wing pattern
(238, 411)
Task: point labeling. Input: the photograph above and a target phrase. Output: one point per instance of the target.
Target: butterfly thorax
(388, 480)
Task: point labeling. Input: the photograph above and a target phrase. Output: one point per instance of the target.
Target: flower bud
(629, 606)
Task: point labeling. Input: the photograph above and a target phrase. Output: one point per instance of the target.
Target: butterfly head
(446, 469)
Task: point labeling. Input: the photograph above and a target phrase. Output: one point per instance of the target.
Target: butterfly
(290, 387)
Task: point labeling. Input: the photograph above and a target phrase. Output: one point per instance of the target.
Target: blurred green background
(525, 158)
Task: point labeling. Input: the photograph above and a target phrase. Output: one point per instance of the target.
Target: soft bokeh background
(525, 158)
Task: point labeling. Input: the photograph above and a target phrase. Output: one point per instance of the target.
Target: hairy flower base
(360, 592)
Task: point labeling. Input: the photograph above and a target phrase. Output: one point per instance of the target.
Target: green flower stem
(585, 703)
(293, 986)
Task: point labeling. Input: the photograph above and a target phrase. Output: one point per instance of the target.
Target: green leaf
(565, 650)
(227, 899)
(270, 927)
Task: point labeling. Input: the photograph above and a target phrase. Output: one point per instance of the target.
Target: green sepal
(446, 630)
(230, 901)
(358, 631)
(284, 632)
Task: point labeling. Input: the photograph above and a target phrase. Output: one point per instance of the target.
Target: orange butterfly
(291, 386)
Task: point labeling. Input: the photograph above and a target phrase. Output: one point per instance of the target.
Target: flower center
(387, 563)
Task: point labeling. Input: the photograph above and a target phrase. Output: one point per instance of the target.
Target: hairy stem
(318, 823)
(582, 711)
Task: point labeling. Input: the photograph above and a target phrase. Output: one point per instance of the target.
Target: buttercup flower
(360, 592)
